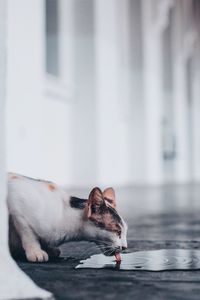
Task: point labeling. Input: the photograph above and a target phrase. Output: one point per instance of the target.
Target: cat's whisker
(108, 251)
(102, 243)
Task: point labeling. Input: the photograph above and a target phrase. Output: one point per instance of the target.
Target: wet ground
(158, 218)
(151, 260)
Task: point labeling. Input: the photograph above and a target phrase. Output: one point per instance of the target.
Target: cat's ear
(95, 202)
(109, 196)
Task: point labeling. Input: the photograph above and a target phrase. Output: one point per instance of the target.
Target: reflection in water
(156, 260)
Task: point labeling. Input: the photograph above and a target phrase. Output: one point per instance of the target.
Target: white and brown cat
(42, 216)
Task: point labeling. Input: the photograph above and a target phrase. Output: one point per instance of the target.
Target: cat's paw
(37, 255)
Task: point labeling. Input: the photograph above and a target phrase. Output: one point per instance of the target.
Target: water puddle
(156, 260)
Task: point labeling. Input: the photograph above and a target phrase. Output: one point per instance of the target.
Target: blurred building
(104, 91)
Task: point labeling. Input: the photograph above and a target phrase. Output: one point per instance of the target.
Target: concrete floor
(158, 218)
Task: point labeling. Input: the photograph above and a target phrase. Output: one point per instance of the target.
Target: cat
(42, 216)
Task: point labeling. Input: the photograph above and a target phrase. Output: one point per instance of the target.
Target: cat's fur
(43, 216)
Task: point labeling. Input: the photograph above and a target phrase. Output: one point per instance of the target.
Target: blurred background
(107, 93)
(104, 92)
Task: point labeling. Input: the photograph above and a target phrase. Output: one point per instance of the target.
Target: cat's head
(103, 224)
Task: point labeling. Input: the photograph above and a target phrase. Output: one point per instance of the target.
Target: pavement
(158, 218)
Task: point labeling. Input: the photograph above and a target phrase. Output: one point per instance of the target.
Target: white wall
(3, 209)
(102, 122)
(112, 130)
(38, 128)
(14, 284)
(196, 110)
(83, 124)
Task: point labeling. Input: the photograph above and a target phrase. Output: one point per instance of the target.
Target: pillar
(14, 284)
(112, 132)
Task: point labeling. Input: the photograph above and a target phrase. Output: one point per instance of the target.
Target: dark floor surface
(158, 218)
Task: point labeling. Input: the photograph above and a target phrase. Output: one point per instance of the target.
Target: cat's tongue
(117, 257)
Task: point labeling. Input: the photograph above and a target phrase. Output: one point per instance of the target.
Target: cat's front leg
(30, 242)
(36, 254)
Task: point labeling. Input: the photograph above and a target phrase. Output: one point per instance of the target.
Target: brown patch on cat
(105, 220)
(109, 196)
(14, 177)
(95, 201)
(51, 186)
(101, 214)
